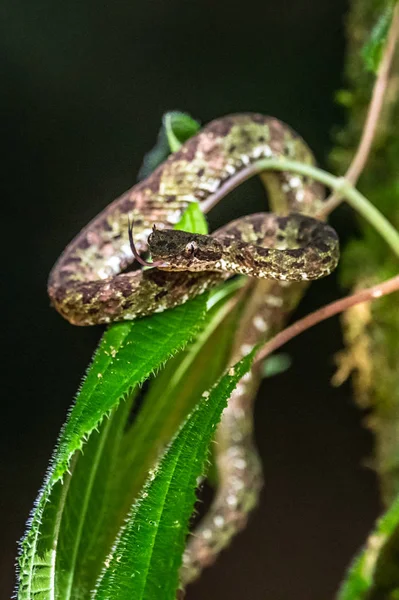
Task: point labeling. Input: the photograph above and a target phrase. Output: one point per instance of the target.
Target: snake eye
(190, 249)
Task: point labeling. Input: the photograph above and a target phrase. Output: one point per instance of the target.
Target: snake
(87, 285)
(93, 283)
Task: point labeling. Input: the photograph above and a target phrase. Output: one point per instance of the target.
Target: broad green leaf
(176, 389)
(373, 49)
(117, 479)
(75, 514)
(145, 560)
(193, 220)
(177, 128)
(374, 573)
(85, 527)
(171, 396)
(128, 354)
(71, 523)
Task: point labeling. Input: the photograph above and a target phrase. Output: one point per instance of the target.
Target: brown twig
(377, 99)
(381, 289)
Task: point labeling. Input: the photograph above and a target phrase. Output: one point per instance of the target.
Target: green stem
(341, 185)
(369, 212)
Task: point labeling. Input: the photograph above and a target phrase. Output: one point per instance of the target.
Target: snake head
(183, 251)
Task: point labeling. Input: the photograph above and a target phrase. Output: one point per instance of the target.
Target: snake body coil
(86, 285)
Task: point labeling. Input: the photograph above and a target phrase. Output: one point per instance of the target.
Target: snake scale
(87, 285)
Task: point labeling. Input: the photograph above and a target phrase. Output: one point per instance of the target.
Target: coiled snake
(87, 285)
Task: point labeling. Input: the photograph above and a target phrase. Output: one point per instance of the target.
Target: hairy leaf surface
(127, 355)
(146, 558)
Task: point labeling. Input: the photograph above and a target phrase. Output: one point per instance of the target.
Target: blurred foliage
(177, 127)
(372, 331)
(373, 48)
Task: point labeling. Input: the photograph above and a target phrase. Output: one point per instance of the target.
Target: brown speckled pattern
(86, 285)
(263, 245)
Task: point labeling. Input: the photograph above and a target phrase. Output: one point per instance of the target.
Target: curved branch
(370, 127)
(381, 289)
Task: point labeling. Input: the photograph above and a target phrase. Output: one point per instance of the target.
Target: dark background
(84, 86)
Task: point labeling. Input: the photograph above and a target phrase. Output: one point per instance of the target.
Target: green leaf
(128, 354)
(374, 47)
(87, 525)
(177, 128)
(145, 560)
(193, 220)
(77, 514)
(371, 575)
(175, 391)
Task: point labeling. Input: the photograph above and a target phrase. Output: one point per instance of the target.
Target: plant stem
(370, 127)
(339, 184)
(346, 190)
(381, 289)
(365, 208)
(343, 187)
